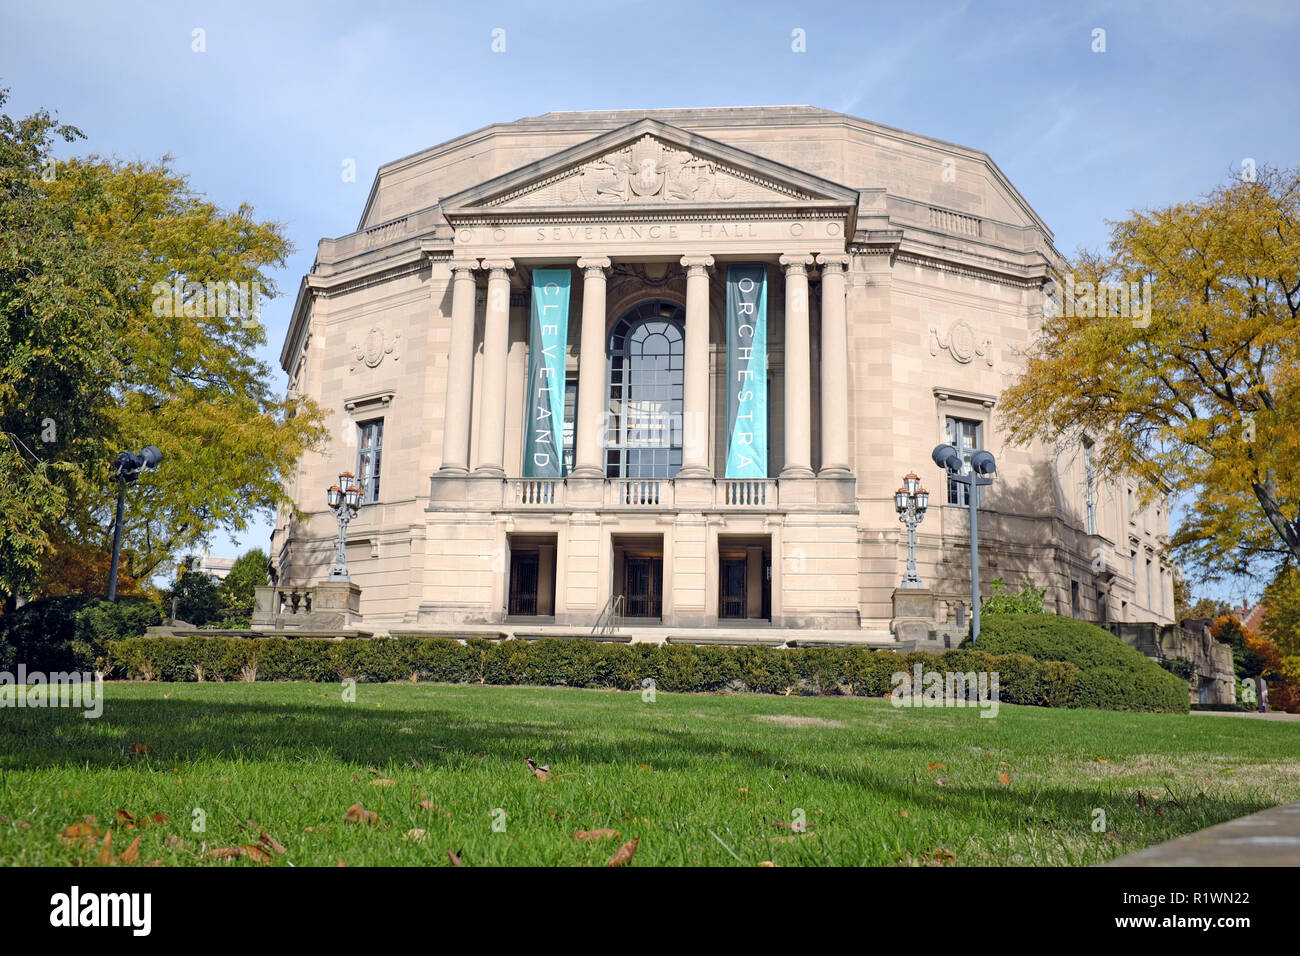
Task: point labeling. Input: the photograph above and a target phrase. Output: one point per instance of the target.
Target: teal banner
(548, 338)
(746, 372)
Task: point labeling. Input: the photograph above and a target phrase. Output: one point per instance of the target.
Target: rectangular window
(1074, 599)
(370, 440)
(1128, 500)
(1133, 567)
(1149, 602)
(1088, 476)
(964, 435)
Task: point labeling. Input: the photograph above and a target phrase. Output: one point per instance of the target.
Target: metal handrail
(607, 621)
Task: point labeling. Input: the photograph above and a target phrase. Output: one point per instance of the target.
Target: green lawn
(700, 779)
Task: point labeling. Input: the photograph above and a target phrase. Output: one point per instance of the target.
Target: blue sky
(285, 92)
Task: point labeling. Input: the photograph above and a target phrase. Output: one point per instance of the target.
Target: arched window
(643, 434)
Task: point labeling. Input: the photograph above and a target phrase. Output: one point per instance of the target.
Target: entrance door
(523, 582)
(733, 601)
(643, 586)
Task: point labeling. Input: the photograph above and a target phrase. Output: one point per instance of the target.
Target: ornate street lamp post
(910, 502)
(982, 464)
(343, 500)
(126, 469)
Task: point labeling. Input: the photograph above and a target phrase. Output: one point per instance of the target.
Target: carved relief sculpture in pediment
(649, 170)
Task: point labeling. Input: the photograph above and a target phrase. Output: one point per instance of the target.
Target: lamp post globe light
(126, 469)
(911, 501)
(982, 466)
(343, 499)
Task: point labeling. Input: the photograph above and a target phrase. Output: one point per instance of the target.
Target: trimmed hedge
(72, 632)
(1108, 674)
(576, 663)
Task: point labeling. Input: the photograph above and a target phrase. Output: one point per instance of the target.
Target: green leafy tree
(56, 363)
(198, 599)
(1201, 395)
(237, 588)
(129, 316)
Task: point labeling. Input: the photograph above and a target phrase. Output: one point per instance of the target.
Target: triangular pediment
(648, 164)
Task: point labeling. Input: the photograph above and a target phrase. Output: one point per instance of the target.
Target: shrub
(72, 632)
(1111, 675)
(578, 663)
(1028, 600)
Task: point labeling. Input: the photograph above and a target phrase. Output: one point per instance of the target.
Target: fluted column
(835, 368)
(460, 370)
(798, 369)
(695, 395)
(496, 345)
(589, 427)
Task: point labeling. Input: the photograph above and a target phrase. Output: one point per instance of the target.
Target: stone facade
(905, 277)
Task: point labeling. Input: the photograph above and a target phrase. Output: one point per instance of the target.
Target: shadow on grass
(438, 736)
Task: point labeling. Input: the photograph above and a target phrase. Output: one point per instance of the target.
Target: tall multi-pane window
(964, 435)
(1088, 479)
(570, 417)
(370, 440)
(647, 377)
(1149, 602)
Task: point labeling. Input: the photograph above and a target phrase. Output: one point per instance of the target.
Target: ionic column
(695, 395)
(835, 368)
(588, 441)
(798, 369)
(496, 345)
(460, 370)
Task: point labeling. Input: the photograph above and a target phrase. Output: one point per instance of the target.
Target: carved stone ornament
(374, 347)
(961, 343)
(647, 171)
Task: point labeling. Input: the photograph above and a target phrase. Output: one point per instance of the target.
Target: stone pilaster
(590, 432)
(695, 403)
(460, 370)
(496, 347)
(834, 369)
(798, 369)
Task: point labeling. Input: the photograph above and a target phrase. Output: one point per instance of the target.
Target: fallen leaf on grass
(415, 834)
(936, 766)
(540, 772)
(81, 834)
(131, 854)
(1004, 778)
(271, 843)
(767, 863)
(623, 855)
(359, 814)
(430, 805)
(385, 782)
(455, 858)
(1142, 800)
(173, 842)
(904, 813)
(604, 834)
(253, 852)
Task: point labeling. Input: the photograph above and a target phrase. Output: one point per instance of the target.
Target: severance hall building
(660, 373)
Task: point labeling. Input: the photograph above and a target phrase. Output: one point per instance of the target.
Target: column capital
(462, 265)
(796, 263)
(593, 266)
(498, 265)
(833, 262)
(696, 265)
